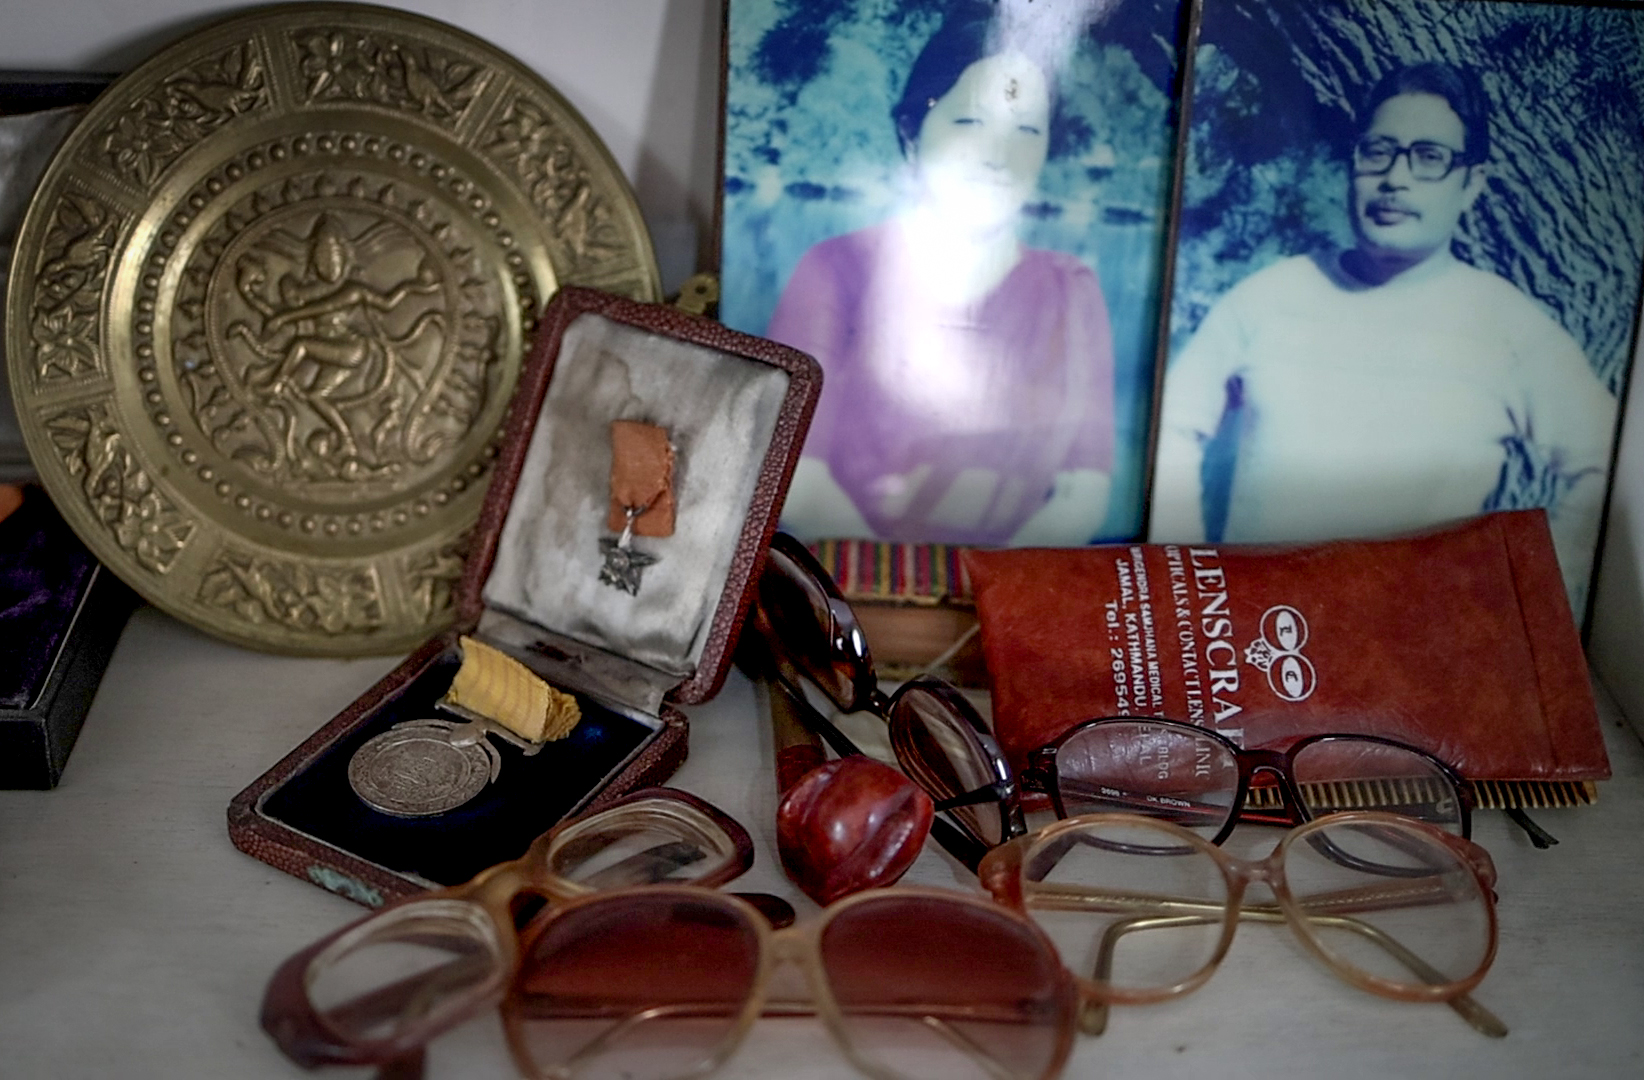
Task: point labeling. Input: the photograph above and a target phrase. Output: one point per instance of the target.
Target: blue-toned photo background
(1276, 86)
(811, 152)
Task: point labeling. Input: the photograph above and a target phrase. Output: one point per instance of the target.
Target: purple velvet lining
(44, 571)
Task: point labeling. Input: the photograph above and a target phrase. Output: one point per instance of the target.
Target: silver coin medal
(424, 767)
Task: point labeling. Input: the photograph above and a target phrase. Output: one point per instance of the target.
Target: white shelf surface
(135, 941)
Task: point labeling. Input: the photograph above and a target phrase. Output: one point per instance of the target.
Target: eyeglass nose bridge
(794, 981)
(788, 946)
(1267, 870)
(1408, 154)
(1275, 765)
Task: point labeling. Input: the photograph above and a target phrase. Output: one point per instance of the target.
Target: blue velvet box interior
(60, 615)
(44, 571)
(529, 795)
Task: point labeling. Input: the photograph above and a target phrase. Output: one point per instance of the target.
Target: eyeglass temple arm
(994, 792)
(957, 844)
(598, 1043)
(1057, 897)
(1093, 1016)
(1054, 851)
(969, 1047)
(813, 718)
(1539, 837)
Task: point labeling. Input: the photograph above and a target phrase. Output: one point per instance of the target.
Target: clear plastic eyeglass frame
(611, 993)
(431, 961)
(1417, 868)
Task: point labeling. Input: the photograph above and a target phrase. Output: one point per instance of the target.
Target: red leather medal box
(735, 409)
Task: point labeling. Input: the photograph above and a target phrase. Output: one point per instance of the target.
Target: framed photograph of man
(958, 207)
(1407, 269)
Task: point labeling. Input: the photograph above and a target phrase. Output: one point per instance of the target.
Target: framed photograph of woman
(958, 207)
(1407, 269)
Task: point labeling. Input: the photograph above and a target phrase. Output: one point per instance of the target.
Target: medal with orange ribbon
(642, 500)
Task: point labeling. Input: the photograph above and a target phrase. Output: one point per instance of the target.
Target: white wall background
(645, 74)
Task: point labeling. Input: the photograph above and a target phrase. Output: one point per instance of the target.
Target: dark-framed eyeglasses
(939, 739)
(1181, 772)
(1429, 161)
(1203, 781)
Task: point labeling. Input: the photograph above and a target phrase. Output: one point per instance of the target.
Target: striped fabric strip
(910, 573)
(1534, 794)
(1491, 795)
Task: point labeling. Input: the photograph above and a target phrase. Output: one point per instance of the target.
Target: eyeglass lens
(1133, 905)
(1376, 896)
(798, 614)
(634, 987)
(1174, 773)
(940, 752)
(634, 850)
(414, 968)
(941, 991)
(1332, 775)
(653, 987)
(1181, 774)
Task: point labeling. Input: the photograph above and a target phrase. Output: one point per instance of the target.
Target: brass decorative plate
(271, 299)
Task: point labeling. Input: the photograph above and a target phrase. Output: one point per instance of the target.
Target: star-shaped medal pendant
(623, 564)
(642, 477)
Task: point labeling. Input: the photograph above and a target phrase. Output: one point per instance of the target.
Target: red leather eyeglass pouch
(1459, 641)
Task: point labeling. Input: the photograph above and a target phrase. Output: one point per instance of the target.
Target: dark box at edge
(61, 613)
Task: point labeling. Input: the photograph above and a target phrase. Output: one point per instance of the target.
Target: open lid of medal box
(618, 401)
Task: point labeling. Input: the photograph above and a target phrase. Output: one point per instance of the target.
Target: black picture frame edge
(1189, 16)
(716, 241)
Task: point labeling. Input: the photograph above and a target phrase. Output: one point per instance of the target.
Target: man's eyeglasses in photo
(1429, 161)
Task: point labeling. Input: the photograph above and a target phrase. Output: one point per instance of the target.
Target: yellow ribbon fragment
(500, 688)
